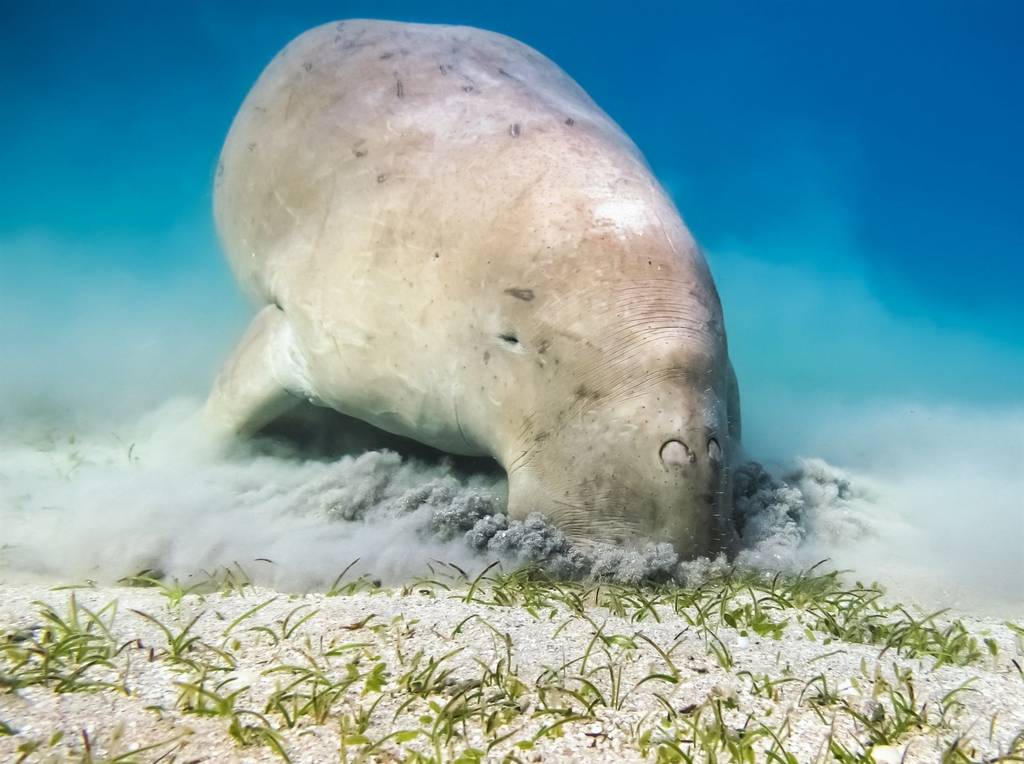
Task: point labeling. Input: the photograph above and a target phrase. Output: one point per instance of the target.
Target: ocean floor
(511, 666)
(371, 605)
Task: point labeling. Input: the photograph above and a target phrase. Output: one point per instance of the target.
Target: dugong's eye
(714, 450)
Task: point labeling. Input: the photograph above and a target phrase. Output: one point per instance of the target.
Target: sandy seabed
(529, 668)
(449, 672)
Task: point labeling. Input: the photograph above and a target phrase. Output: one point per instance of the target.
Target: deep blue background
(797, 131)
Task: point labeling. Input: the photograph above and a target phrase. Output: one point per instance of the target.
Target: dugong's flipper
(262, 380)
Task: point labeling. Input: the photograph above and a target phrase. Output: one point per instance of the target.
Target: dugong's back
(352, 105)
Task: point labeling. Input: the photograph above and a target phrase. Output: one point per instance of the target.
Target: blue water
(854, 176)
(878, 145)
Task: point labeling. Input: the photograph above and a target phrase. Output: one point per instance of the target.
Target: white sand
(990, 711)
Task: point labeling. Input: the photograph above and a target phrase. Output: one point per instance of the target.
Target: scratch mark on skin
(458, 423)
(514, 465)
(526, 426)
(524, 457)
(664, 232)
(327, 210)
(515, 130)
(520, 294)
(357, 43)
(284, 205)
(360, 219)
(399, 89)
(570, 121)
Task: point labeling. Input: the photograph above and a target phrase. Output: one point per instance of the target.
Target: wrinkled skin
(451, 241)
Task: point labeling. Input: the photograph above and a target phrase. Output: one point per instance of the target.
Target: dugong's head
(626, 410)
(626, 463)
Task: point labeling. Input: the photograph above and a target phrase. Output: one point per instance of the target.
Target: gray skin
(451, 241)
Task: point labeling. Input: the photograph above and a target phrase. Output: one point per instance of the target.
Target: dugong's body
(451, 241)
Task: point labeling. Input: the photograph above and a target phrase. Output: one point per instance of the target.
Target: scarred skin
(452, 242)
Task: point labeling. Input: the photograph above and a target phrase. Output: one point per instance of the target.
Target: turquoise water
(854, 178)
(870, 158)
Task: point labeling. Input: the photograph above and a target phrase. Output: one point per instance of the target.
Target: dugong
(450, 240)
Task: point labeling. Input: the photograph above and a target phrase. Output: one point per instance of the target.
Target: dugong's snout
(629, 483)
(693, 507)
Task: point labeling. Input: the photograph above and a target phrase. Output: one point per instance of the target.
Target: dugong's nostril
(675, 453)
